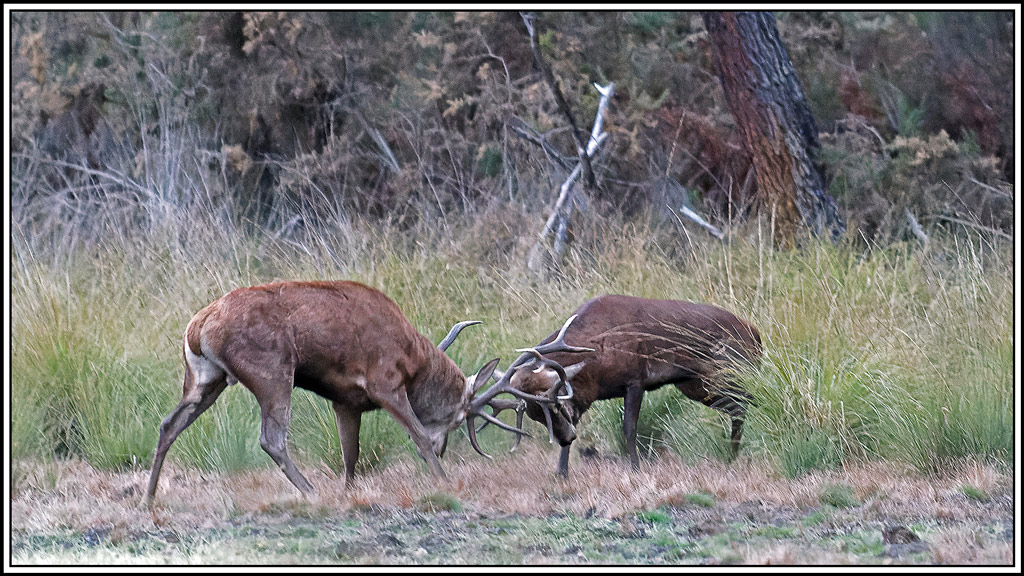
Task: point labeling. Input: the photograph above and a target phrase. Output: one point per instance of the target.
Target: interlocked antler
(502, 386)
(500, 404)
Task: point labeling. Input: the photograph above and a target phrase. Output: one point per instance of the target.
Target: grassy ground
(515, 511)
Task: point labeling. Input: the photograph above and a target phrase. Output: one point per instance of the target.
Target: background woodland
(288, 120)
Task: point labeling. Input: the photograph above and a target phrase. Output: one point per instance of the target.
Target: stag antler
(500, 404)
(549, 397)
(502, 386)
(543, 362)
(454, 332)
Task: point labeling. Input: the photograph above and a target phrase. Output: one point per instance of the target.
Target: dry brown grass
(74, 495)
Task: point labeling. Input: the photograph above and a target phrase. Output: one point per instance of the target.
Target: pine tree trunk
(777, 126)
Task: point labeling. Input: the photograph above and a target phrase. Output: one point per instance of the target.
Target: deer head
(550, 396)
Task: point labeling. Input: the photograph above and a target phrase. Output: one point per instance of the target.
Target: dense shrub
(405, 116)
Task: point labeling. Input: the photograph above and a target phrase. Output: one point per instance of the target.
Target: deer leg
(630, 415)
(724, 398)
(563, 461)
(194, 402)
(737, 413)
(272, 388)
(276, 414)
(737, 433)
(735, 410)
(401, 410)
(348, 420)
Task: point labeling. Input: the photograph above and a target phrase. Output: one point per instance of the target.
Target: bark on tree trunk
(778, 129)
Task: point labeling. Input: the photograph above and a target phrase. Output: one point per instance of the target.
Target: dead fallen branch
(558, 223)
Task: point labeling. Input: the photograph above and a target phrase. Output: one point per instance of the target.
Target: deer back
(646, 342)
(340, 337)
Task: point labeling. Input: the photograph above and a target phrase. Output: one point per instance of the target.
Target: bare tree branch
(563, 106)
(526, 132)
(915, 226)
(712, 229)
(558, 222)
(968, 224)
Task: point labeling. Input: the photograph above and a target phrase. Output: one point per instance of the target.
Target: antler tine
(472, 437)
(477, 405)
(454, 332)
(556, 345)
(548, 421)
(527, 352)
(559, 345)
(520, 410)
(563, 379)
(499, 405)
(502, 385)
(487, 399)
(492, 419)
(568, 389)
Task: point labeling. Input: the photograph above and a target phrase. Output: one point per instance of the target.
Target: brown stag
(344, 341)
(639, 345)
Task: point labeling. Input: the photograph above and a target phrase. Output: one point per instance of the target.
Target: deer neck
(439, 389)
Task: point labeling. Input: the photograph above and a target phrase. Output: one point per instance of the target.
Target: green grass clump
(702, 499)
(655, 516)
(800, 453)
(839, 496)
(817, 517)
(438, 501)
(975, 493)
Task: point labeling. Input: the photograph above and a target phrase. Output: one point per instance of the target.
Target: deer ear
(484, 374)
(573, 370)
